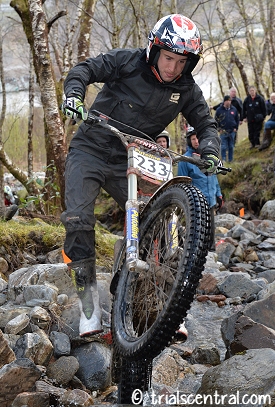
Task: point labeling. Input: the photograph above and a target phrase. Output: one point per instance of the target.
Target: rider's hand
(213, 162)
(74, 108)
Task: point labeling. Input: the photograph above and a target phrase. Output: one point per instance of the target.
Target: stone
(63, 369)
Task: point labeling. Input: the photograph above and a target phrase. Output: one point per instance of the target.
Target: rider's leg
(84, 176)
(83, 274)
(83, 182)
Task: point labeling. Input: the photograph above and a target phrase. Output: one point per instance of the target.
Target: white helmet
(178, 34)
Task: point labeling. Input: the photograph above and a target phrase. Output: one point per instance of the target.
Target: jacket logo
(174, 97)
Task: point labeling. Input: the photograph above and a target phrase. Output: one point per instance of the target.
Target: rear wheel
(148, 306)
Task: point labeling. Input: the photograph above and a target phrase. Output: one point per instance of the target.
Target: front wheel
(174, 239)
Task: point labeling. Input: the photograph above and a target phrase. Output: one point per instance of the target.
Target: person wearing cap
(209, 186)
(228, 120)
(163, 139)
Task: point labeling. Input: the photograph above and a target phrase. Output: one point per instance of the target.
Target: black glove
(74, 108)
(213, 162)
(219, 202)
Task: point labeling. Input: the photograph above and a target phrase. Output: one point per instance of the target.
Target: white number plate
(159, 168)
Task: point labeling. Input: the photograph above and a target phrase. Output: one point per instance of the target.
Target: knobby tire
(149, 306)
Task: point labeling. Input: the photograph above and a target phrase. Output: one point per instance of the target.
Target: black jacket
(270, 107)
(132, 95)
(253, 107)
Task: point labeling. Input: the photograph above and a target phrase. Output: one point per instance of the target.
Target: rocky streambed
(228, 358)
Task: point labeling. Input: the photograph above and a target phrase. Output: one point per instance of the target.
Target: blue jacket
(208, 185)
(227, 119)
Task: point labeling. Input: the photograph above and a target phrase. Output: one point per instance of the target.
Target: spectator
(163, 139)
(227, 118)
(238, 104)
(270, 123)
(254, 113)
(209, 186)
(235, 101)
(143, 87)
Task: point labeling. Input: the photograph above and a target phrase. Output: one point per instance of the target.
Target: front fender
(173, 181)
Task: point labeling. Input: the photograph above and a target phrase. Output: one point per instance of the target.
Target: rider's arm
(103, 68)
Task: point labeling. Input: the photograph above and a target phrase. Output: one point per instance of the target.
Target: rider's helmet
(190, 131)
(164, 134)
(178, 34)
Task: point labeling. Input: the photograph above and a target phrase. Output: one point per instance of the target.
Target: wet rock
(94, 365)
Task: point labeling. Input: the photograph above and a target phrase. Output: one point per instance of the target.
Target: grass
(252, 179)
(37, 237)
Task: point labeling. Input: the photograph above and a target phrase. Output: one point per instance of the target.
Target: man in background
(254, 113)
(227, 118)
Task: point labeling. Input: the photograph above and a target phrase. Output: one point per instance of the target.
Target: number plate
(159, 168)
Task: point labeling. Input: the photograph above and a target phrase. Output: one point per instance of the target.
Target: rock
(206, 355)
(76, 398)
(94, 360)
(268, 210)
(31, 399)
(251, 335)
(61, 343)
(238, 284)
(228, 379)
(262, 311)
(63, 369)
(169, 367)
(6, 353)
(17, 377)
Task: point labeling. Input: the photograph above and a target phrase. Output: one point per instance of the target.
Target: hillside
(252, 180)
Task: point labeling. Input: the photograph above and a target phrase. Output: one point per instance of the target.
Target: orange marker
(65, 257)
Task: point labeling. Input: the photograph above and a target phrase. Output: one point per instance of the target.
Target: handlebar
(95, 117)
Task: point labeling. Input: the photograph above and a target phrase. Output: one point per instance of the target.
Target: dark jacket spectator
(254, 113)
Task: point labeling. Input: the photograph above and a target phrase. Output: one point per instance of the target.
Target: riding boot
(267, 138)
(83, 274)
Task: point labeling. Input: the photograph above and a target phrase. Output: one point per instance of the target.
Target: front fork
(133, 262)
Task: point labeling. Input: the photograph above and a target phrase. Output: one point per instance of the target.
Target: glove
(74, 108)
(219, 202)
(213, 162)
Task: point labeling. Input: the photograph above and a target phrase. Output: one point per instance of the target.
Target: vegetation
(252, 180)
(21, 236)
(44, 39)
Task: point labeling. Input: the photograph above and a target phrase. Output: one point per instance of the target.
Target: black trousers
(85, 175)
(254, 131)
